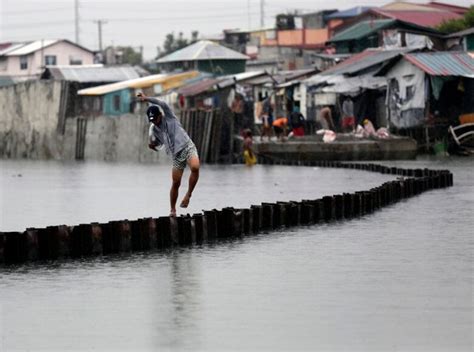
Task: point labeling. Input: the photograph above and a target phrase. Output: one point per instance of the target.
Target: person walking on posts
(165, 130)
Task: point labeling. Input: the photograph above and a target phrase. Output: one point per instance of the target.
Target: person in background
(266, 116)
(249, 155)
(165, 130)
(369, 128)
(348, 117)
(280, 126)
(325, 116)
(297, 122)
(237, 108)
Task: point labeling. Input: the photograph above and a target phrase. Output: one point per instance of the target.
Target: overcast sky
(146, 22)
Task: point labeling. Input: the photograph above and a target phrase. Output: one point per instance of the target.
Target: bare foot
(173, 213)
(185, 201)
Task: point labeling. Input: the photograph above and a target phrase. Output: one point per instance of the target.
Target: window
(3, 64)
(23, 62)
(50, 60)
(75, 61)
(117, 102)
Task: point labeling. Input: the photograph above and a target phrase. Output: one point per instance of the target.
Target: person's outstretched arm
(166, 108)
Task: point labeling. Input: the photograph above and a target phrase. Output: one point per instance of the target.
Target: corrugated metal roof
(461, 33)
(453, 8)
(138, 83)
(407, 6)
(203, 50)
(420, 18)
(281, 77)
(31, 47)
(360, 30)
(230, 80)
(365, 60)
(91, 73)
(352, 12)
(8, 47)
(200, 87)
(25, 48)
(443, 63)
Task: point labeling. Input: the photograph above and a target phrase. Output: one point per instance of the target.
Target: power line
(42, 24)
(23, 12)
(162, 19)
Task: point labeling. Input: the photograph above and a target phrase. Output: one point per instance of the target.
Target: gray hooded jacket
(169, 133)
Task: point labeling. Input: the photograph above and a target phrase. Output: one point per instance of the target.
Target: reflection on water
(399, 279)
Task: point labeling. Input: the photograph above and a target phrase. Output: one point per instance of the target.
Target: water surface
(400, 279)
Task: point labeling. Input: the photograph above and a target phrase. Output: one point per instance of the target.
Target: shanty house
(429, 89)
(119, 98)
(355, 78)
(205, 56)
(384, 32)
(75, 78)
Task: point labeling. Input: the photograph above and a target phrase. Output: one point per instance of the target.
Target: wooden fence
(210, 131)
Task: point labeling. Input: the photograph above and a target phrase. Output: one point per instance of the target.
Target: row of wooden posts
(58, 242)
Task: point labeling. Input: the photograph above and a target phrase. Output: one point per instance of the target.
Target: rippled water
(399, 279)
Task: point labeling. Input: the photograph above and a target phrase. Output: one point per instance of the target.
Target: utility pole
(262, 13)
(248, 14)
(100, 23)
(76, 19)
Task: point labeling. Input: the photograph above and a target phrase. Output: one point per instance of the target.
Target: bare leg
(193, 179)
(176, 176)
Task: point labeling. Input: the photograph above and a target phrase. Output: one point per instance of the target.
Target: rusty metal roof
(202, 86)
(368, 59)
(421, 18)
(443, 63)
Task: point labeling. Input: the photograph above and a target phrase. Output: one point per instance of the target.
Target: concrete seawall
(124, 236)
(33, 126)
(394, 148)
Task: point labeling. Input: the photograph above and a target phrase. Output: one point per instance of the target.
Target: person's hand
(141, 96)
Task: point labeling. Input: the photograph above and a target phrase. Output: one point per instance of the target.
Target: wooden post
(144, 235)
(257, 218)
(267, 215)
(86, 240)
(247, 221)
(53, 242)
(307, 213)
(200, 224)
(116, 237)
(339, 206)
(211, 224)
(329, 208)
(14, 247)
(348, 205)
(185, 230)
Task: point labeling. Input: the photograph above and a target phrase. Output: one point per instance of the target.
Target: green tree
(460, 24)
(173, 43)
(131, 56)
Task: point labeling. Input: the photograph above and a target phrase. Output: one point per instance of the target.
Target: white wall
(62, 50)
